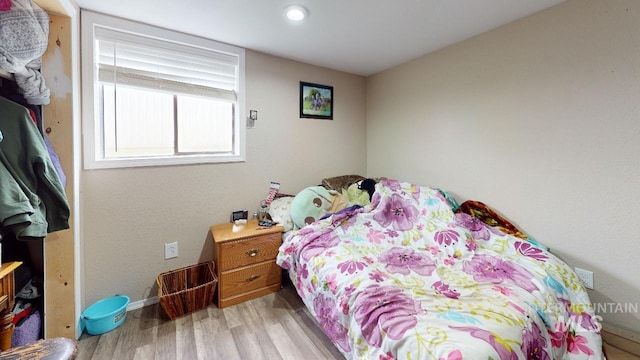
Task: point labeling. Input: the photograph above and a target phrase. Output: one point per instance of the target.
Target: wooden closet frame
(60, 68)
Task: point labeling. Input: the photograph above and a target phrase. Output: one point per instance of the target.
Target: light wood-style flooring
(617, 354)
(276, 326)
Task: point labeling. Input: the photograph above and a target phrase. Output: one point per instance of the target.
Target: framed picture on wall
(316, 101)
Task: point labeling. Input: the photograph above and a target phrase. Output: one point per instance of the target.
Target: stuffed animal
(368, 185)
(313, 203)
(309, 205)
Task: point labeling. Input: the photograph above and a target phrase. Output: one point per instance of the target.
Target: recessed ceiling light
(296, 12)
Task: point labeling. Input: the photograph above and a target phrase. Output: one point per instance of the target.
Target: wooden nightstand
(244, 257)
(7, 299)
(7, 285)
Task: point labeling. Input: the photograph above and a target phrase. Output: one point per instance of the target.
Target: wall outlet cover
(586, 277)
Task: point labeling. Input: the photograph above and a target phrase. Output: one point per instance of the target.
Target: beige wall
(538, 119)
(129, 214)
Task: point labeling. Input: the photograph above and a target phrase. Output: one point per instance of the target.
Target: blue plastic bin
(105, 315)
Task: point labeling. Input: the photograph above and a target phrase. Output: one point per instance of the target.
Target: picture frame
(316, 101)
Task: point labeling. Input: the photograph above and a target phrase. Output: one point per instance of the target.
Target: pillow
(340, 183)
(280, 212)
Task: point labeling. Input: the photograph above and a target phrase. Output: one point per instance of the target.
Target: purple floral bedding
(406, 278)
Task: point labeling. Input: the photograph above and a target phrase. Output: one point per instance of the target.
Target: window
(156, 97)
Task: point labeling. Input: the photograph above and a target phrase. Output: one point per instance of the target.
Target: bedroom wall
(539, 120)
(129, 214)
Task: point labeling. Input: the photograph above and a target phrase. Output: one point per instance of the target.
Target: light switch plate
(171, 250)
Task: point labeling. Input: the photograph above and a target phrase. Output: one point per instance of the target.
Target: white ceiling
(357, 36)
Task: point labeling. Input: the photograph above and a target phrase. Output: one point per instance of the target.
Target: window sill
(161, 161)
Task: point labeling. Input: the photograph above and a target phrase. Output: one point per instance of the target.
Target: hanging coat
(32, 199)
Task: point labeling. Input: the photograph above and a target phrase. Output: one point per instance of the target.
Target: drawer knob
(253, 252)
(252, 277)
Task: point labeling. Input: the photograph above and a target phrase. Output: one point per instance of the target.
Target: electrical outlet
(586, 277)
(171, 250)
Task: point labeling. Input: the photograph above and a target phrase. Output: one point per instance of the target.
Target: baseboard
(142, 303)
(622, 339)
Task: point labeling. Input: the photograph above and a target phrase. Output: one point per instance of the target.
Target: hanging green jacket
(32, 199)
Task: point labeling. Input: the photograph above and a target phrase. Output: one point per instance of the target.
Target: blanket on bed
(406, 278)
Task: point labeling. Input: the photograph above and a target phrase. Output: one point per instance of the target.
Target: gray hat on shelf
(24, 33)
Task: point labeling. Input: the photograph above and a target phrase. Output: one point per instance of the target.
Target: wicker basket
(187, 289)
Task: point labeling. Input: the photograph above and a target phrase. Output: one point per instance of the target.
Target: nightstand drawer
(249, 251)
(250, 278)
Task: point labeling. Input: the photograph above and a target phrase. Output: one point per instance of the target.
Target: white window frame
(92, 132)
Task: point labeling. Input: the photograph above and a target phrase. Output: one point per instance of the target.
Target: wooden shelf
(8, 268)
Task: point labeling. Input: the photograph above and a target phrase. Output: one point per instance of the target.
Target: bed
(408, 278)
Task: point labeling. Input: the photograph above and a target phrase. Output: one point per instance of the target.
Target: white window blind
(135, 60)
(157, 97)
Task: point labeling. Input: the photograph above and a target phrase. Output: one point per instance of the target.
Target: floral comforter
(406, 278)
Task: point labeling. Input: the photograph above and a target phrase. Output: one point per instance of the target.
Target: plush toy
(357, 196)
(313, 202)
(368, 185)
(309, 205)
